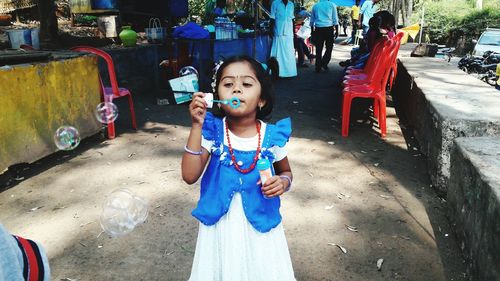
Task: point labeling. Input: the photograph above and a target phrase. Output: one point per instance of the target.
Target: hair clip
(216, 69)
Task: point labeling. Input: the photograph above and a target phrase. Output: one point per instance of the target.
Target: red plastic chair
(365, 75)
(363, 80)
(110, 93)
(394, 64)
(370, 64)
(375, 90)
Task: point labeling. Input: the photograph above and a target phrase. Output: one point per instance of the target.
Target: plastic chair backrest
(374, 56)
(392, 51)
(394, 58)
(383, 67)
(109, 63)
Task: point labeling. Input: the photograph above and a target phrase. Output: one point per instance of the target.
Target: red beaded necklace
(231, 152)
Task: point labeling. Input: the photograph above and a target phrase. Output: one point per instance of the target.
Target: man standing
(282, 15)
(355, 20)
(324, 20)
(366, 13)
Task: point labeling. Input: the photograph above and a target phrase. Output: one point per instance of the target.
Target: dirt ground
(379, 186)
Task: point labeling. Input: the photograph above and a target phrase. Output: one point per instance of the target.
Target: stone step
(474, 203)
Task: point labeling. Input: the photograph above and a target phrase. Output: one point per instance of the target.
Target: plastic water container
(18, 37)
(35, 38)
(107, 25)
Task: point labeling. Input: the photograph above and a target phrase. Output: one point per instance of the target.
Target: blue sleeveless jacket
(221, 180)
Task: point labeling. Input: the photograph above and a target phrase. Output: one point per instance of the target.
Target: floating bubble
(67, 138)
(106, 112)
(122, 212)
(188, 70)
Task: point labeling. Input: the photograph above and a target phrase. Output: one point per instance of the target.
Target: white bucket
(35, 35)
(18, 37)
(107, 25)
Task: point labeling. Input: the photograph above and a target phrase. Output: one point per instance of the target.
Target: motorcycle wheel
(492, 81)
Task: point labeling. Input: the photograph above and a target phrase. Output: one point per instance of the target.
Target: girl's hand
(274, 186)
(198, 109)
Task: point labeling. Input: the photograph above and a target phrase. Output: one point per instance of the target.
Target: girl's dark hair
(264, 80)
(385, 20)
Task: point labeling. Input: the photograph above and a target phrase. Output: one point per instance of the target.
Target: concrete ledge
(38, 98)
(440, 103)
(474, 203)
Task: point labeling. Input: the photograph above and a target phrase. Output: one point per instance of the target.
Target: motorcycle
(484, 68)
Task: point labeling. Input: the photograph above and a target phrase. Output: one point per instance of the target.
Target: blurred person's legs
(329, 48)
(298, 44)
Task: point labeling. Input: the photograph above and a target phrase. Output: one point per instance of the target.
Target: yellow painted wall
(36, 99)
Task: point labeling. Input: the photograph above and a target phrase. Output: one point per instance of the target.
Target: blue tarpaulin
(346, 3)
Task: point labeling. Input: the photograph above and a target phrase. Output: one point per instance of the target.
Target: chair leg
(111, 130)
(346, 112)
(376, 110)
(111, 126)
(132, 112)
(382, 117)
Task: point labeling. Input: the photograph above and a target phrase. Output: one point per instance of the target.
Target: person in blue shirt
(240, 231)
(366, 12)
(324, 29)
(282, 15)
(22, 259)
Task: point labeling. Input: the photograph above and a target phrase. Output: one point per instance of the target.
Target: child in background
(301, 19)
(240, 232)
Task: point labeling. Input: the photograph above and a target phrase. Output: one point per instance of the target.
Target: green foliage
(344, 13)
(440, 17)
(448, 20)
(474, 23)
(197, 7)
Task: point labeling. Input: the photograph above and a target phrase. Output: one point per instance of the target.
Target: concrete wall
(474, 203)
(36, 99)
(439, 103)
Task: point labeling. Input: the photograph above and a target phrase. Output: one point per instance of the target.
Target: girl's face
(238, 80)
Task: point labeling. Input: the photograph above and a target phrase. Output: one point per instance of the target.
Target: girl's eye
(227, 85)
(247, 85)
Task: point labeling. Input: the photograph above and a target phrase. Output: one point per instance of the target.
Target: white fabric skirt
(232, 250)
(284, 51)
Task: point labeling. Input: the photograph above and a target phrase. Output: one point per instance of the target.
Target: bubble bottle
(264, 167)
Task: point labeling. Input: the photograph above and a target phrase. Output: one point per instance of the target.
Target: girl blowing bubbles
(240, 235)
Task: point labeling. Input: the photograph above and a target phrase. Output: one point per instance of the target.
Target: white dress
(232, 250)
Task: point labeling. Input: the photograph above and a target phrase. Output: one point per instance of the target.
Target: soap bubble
(106, 112)
(188, 70)
(67, 138)
(122, 212)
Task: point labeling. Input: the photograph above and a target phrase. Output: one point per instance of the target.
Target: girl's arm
(277, 185)
(193, 164)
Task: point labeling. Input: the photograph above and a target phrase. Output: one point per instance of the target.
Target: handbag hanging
(155, 33)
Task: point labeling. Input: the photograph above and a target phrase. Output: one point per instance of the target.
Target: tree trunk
(48, 23)
(409, 10)
(479, 4)
(396, 7)
(403, 12)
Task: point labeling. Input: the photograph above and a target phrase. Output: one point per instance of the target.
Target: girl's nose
(236, 89)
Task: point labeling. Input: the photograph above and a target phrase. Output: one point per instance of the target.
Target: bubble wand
(233, 102)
